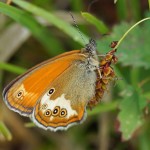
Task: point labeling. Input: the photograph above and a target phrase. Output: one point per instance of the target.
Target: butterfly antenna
(75, 24)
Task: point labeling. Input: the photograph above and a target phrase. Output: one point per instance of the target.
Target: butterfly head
(90, 47)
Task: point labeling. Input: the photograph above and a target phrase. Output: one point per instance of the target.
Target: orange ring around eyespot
(56, 111)
(51, 91)
(63, 110)
(21, 92)
(48, 113)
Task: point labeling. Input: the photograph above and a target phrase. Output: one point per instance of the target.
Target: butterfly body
(55, 93)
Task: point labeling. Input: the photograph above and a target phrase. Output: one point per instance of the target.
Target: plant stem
(126, 33)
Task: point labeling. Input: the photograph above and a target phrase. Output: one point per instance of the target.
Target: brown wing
(22, 94)
(64, 102)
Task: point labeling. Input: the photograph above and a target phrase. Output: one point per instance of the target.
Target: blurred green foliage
(131, 95)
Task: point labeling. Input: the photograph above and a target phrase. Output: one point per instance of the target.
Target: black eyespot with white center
(48, 113)
(20, 94)
(56, 111)
(51, 91)
(63, 112)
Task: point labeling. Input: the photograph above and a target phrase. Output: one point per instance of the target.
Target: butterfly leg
(99, 73)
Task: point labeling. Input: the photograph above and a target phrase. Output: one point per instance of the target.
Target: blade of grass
(101, 27)
(60, 24)
(47, 4)
(122, 9)
(12, 68)
(6, 133)
(39, 31)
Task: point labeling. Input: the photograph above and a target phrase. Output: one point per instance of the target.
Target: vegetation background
(35, 30)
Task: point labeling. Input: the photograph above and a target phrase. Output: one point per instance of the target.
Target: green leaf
(39, 31)
(101, 27)
(130, 116)
(60, 24)
(135, 48)
(12, 68)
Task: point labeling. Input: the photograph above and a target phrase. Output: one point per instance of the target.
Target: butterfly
(56, 93)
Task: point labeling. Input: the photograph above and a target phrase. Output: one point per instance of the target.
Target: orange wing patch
(17, 98)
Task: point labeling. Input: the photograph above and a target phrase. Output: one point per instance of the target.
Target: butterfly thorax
(90, 48)
(90, 53)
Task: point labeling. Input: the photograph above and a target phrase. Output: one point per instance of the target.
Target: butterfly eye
(63, 112)
(48, 113)
(51, 91)
(56, 111)
(19, 95)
